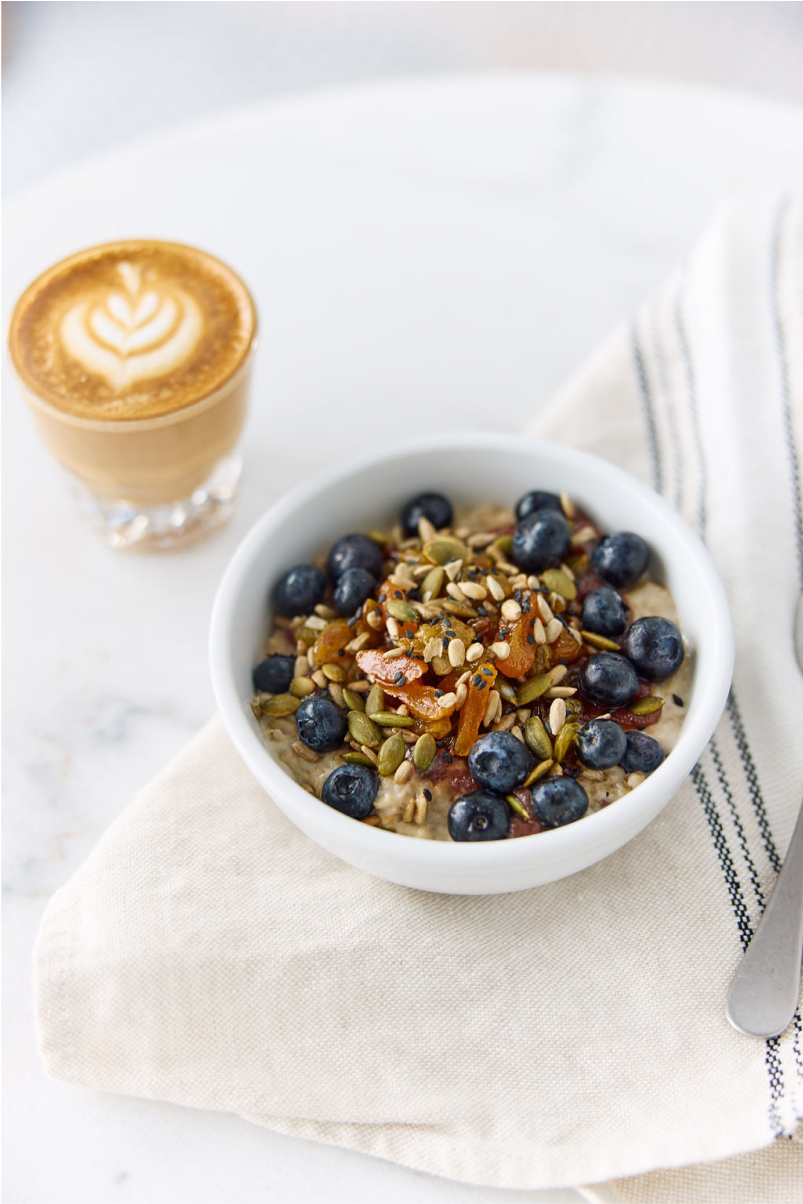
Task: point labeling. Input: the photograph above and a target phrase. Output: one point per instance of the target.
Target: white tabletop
(422, 255)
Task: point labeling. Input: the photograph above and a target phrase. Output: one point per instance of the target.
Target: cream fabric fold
(207, 953)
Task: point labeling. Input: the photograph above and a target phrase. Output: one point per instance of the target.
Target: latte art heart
(136, 333)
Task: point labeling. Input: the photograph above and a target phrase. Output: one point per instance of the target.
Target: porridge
(474, 676)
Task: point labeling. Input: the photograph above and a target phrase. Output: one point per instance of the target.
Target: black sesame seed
(382, 597)
(427, 795)
(445, 641)
(397, 593)
(482, 611)
(677, 701)
(530, 638)
(486, 672)
(397, 677)
(481, 686)
(402, 680)
(475, 681)
(341, 652)
(439, 693)
(447, 760)
(353, 619)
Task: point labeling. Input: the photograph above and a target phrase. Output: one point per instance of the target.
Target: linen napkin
(209, 954)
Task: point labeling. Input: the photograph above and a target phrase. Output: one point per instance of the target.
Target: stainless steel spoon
(764, 992)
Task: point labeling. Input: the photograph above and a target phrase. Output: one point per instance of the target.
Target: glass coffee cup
(135, 359)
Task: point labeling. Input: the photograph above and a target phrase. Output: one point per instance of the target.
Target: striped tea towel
(209, 954)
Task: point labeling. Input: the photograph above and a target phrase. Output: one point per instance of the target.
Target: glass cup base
(127, 525)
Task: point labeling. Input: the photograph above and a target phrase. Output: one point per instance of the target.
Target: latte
(131, 330)
(135, 357)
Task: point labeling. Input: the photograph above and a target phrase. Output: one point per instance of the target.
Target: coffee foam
(131, 330)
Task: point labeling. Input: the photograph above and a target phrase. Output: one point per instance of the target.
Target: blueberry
(499, 762)
(655, 647)
(605, 612)
(558, 801)
(352, 589)
(274, 674)
(479, 816)
(354, 552)
(321, 724)
(609, 679)
(643, 755)
(620, 558)
(537, 500)
(540, 541)
(434, 506)
(352, 790)
(299, 591)
(600, 744)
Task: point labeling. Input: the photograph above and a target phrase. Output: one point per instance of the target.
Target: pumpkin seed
(506, 690)
(600, 641)
(300, 687)
(281, 705)
(391, 755)
(354, 702)
(391, 719)
(355, 758)
(536, 738)
(377, 537)
(516, 806)
(333, 672)
(574, 707)
(646, 706)
(540, 771)
(363, 730)
(444, 548)
(307, 636)
(463, 609)
(504, 544)
(560, 583)
(533, 689)
(565, 740)
(375, 700)
(401, 610)
(432, 584)
(424, 752)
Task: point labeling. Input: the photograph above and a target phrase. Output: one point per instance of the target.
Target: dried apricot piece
(473, 709)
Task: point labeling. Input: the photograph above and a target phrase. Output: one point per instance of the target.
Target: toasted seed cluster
(455, 641)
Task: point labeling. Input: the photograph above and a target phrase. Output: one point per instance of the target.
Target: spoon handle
(764, 992)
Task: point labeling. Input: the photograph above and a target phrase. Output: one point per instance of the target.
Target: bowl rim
(709, 696)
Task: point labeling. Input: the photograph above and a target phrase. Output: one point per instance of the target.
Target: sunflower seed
(517, 732)
(409, 811)
(461, 694)
(496, 588)
(454, 591)
(358, 643)
(403, 773)
(557, 716)
(461, 609)
(447, 700)
(634, 779)
(480, 539)
(456, 652)
(533, 582)
(474, 653)
(583, 535)
(392, 627)
(369, 753)
(511, 610)
(301, 667)
(561, 692)
(392, 653)
(306, 754)
(557, 674)
(505, 723)
(453, 569)
(567, 505)
(538, 631)
(552, 630)
(494, 702)
(472, 589)
(425, 529)
(543, 608)
(500, 649)
(421, 808)
(319, 679)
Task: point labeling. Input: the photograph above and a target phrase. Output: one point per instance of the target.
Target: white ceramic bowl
(469, 468)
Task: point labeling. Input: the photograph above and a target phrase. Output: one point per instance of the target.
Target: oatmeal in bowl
(303, 638)
(476, 674)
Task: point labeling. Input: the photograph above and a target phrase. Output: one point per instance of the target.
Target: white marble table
(421, 256)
